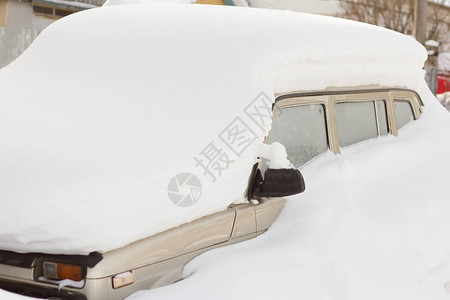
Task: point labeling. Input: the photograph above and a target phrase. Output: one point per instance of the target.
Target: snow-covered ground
(372, 224)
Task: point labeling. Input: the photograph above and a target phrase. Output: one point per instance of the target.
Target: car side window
(359, 121)
(302, 130)
(403, 112)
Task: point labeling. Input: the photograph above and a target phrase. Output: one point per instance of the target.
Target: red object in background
(443, 84)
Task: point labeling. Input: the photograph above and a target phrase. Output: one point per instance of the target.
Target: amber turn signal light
(57, 271)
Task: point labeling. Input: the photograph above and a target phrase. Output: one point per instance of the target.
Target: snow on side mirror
(280, 180)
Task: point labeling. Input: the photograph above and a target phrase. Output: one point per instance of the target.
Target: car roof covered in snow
(287, 50)
(109, 104)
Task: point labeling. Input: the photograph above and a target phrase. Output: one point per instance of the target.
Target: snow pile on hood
(372, 224)
(98, 117)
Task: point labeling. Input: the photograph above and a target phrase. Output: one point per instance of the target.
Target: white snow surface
(276, 154)
(64, 283)
(372, 224)
(4, 295)
(431, 43)
(97, 116)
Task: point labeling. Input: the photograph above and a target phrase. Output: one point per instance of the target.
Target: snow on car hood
(100, 118)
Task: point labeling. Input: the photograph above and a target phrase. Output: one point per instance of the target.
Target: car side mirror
(276, 183)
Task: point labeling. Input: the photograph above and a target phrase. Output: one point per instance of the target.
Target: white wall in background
(22, 27)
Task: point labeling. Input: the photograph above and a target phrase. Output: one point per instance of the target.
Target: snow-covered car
(137, 145)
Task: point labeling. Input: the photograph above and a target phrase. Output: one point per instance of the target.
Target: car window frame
(331, 97)
(356, 98)
(414, 101)
(307, 100)
(304, 101)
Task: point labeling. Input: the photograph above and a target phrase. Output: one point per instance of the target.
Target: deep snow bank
(97, 117)
(372, 224)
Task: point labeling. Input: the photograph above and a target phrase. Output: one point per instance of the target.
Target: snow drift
(372, 224)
